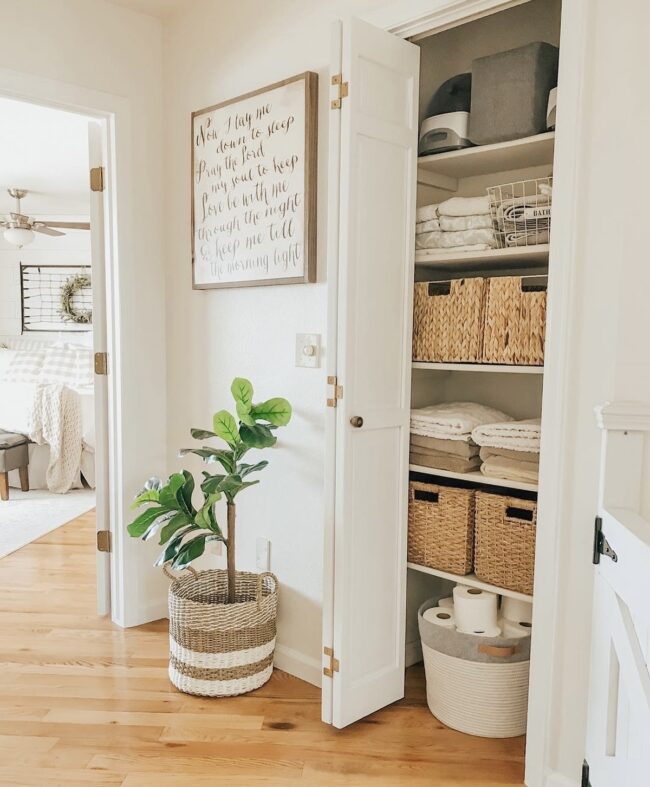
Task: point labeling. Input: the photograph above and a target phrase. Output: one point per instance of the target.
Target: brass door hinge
(337, 79)
(338, 391)
(334, 663)
(104, 541)
(97, 179)
(101, 363)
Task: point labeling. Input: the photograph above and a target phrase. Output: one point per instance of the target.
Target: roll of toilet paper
(517, 610)
(512, 629)
(441, 616)
(448, 602)
(474, 609)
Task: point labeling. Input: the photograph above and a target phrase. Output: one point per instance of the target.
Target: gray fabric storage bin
(477, 685)
(510, 93)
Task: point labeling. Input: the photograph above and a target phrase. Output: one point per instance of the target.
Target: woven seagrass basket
(505, 541)
(219, 649)
(441, 527)
(448, 320)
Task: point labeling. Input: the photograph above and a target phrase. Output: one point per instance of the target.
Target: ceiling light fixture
(18, 236)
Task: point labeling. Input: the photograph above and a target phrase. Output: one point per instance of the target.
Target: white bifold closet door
(376, 218)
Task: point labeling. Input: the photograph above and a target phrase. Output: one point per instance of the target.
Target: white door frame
(113, 113)
(409, 18)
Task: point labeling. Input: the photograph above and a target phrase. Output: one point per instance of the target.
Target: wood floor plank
(83, 702)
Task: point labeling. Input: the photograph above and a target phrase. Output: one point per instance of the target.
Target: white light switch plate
(263, 554)
(308, 350)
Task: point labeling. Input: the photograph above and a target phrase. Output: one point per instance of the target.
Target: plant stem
(230, 553)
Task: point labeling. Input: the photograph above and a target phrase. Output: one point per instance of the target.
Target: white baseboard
(413, 653)
(555, 779)
(298, 664)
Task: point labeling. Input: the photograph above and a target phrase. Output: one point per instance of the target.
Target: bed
(46, 393)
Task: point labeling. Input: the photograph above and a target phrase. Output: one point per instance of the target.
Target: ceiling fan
(19, 229)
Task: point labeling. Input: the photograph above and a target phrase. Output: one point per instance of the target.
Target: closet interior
(485, 165)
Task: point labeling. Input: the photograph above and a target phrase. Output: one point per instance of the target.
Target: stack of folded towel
(441, 435)
(459, 224)
(510, 450)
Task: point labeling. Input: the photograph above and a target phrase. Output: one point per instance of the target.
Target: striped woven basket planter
(219, 649)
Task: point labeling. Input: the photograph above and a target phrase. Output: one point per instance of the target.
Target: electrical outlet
(263, 554)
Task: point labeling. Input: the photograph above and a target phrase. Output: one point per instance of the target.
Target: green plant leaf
(244, 470)
(201, 434)
(168, 494)
(141, 523)
(146, 496)
(276, 411)
(190, 550)
(258, 436)
(243, 411)
(211, 483)
(230, 483)
(243, 486)
(225, 427)
(178, 521)
(158, 521)
(172, 548)
(184, 494)
(242, 392)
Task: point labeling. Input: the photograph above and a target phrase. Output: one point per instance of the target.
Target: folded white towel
(458, 223)
(516, 435)
(453, 420)
(464, 206)
(450, 240)
(519, 209)
(426, 213)
(527, 237)
(427, 226)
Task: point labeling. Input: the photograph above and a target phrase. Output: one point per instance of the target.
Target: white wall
(214, 52)
(109, 56)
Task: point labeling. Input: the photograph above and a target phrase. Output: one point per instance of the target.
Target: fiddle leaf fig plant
(185, 529)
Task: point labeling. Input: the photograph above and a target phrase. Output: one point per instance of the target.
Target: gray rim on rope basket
(216, 648)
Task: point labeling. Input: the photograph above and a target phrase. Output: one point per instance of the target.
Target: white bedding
(18, 404)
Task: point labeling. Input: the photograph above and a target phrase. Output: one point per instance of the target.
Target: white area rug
(27, 516)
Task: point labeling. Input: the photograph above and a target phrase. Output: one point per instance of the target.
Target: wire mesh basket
(521, 212)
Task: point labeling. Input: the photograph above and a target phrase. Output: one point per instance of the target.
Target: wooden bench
(14, 455)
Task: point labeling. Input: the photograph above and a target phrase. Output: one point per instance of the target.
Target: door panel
(378, 150)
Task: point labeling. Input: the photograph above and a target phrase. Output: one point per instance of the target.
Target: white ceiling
(159, 8)
(46, 151)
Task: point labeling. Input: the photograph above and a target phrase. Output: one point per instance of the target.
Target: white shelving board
(492, 368)
(493, 259)
(471, 580)
(475, 477)
(485, 159)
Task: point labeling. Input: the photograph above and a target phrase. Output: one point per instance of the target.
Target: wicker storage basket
(448, 320)
(219, 649)
(441, 527)
(515, 318)
(505, 541)
(478, 685)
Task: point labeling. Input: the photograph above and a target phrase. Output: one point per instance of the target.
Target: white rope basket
(488, 700)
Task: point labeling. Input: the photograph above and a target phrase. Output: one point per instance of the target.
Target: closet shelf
(475, 478)
(494, 368)
(471, 580)
(494, 259)
(485, 159)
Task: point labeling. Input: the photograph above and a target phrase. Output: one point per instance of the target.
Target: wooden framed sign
(254, 187)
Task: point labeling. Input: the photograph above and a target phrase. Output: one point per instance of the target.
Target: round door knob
(356, 421)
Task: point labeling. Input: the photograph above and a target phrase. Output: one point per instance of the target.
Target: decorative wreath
(70, 288)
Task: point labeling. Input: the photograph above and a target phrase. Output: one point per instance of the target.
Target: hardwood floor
(83, 702)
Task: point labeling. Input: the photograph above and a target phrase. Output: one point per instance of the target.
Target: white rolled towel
(464, 206)
(427, 212)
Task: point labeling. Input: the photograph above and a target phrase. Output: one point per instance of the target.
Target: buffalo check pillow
(25, 367)
(60, 366)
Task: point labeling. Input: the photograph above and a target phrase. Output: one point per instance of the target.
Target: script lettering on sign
(253, 187)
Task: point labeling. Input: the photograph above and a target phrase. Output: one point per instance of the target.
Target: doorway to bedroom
(47, 380)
